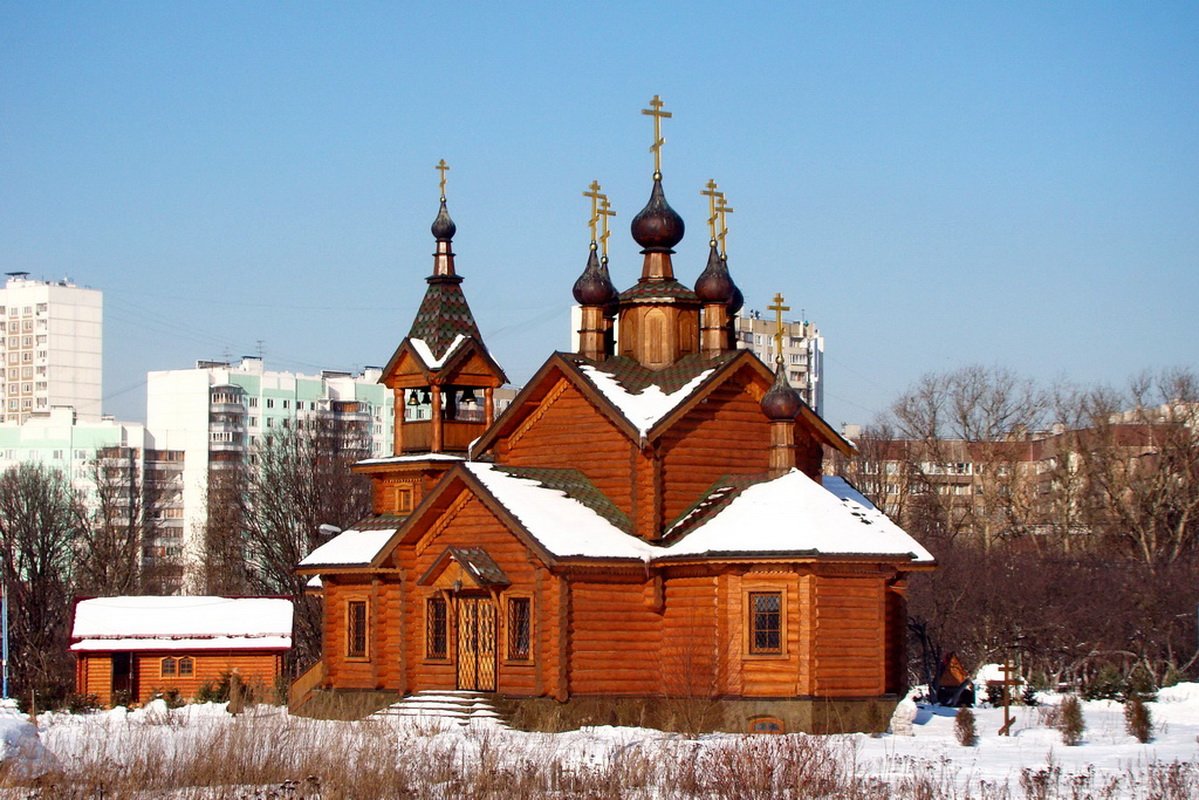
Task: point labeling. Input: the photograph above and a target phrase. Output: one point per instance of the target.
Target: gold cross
(443, 168)
(778, 308)
(722, 208)
(655, 111)
(605, 211)
(595, 195)
(711, 194)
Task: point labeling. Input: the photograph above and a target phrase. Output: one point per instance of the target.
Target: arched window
(186, 666)
(168, 668)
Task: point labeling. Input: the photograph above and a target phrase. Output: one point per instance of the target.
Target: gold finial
(443, 168)
(723, 208)
(605, 211)
(655, 111)
(778, 308)
(595, 194)
(711, 193)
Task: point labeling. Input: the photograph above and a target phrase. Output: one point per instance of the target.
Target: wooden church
(646, 527)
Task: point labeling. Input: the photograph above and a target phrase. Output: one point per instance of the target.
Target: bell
(427, 399)
(412, 398)
(469, 397)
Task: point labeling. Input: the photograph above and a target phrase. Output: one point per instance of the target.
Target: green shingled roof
(443, 315)
(650, 290)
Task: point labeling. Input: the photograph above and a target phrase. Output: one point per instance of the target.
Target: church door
(476, 644)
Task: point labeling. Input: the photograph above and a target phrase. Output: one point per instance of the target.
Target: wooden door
(476, 644)
(122, 677)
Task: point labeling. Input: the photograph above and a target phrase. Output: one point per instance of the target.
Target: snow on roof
(171, 643)
(235, 621)
(349, 548)
(426, 355)
(409, 458)
(645, 408)
(563, 525)
(795, 514)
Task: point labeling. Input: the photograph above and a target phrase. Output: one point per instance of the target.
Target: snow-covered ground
(1033, 761)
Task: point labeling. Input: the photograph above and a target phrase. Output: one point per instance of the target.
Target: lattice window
(356, 629)
(436, 628)
(520, 623)
(187, 666)
(168, 667)
(765, 622)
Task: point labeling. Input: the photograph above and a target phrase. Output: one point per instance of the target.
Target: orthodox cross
(1008, 682)
(722, 208)
(778, 308)
(594, 193)
(711, 193)
(655, 111)
(443, 168)
(605, 211)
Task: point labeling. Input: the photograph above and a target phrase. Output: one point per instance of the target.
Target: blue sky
(932, 184)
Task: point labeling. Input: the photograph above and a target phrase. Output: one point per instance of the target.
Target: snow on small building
(128, 649)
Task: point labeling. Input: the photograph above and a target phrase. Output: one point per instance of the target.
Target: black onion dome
(594, 287)
(736, 302)
(714, 284)
(443, 227)
(657, 226)
(781, 402)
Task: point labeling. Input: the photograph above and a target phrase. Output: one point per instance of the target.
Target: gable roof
(641, 402)
(354, 547)
(457, 354)
(174, 623)
(475, 561)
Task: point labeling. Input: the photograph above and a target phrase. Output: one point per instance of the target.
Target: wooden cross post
(778, 308)
(605, 211)
(443, 168)
(1008, 682)
(711, 193)
(594, 193)
(723, 208)
(655, 111)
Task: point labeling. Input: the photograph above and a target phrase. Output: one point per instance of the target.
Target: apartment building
(217, 411)
(50, 348)
(114, 465)
(802, 351)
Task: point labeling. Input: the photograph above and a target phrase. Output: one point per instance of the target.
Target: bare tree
(110, 548)
(41, 521)
(1142, 464)
(299, 478)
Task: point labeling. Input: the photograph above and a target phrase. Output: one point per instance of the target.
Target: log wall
(690, 647)
(570, 433)
(850, 636)
(94, 672)
(726, 435)
(615, 638)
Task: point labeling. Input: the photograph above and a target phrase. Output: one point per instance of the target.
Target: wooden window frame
(511, 654)
(173, 672)
(750, 649)
(353, 654)
(190, 664)
(431, 638)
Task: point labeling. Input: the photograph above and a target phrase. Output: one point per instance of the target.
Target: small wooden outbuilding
(128, 649)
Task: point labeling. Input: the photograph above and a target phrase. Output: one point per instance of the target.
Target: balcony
(226, 408)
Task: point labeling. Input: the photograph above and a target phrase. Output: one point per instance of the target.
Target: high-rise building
(216, 412)
(803, 352)
(50, 343)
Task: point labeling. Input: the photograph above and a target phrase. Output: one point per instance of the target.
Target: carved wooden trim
(542, 408)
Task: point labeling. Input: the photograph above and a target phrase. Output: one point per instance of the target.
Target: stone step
(452, 707)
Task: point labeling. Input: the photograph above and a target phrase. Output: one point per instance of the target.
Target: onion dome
(736, 302)
(443, 227)
(657, 226)
(594, 287)
(782, 402)
(714, 284)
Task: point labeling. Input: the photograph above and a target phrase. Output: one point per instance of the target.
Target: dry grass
(276, 756)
